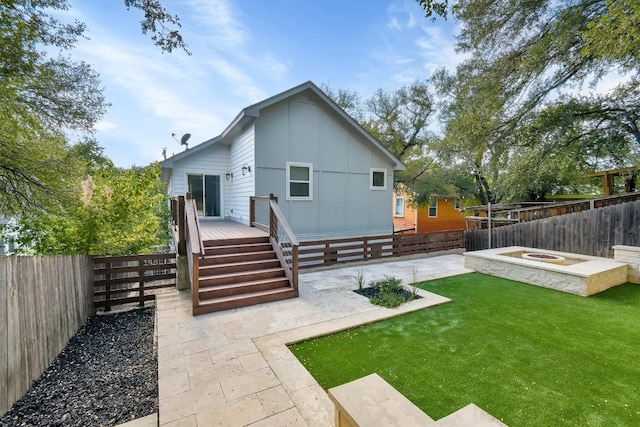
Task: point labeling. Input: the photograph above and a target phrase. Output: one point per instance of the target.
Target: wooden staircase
(240, 272)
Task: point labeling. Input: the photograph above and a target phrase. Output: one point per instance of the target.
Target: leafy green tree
(44, 95)
(400, 120)
(113, 211)
(512, 106)
(614, 35)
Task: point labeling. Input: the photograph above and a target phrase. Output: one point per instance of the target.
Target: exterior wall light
(245, 169)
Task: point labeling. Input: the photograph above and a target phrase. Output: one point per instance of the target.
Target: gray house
(332, 178)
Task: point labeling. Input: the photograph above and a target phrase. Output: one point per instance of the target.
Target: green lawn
(527, 355)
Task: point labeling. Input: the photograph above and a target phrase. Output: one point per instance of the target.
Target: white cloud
(104, 126)
(402, 16)
(219, 20)
(437, 49)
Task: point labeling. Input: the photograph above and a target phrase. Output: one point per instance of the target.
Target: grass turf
(525, 354)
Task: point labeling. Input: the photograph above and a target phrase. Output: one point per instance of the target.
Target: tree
(528, 60)
(44, 95)
(399, 120)
(112, 211)
(614, 35)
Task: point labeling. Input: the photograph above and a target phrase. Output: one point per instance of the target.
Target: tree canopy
(44, 98)
(113, 211)
(527, 98)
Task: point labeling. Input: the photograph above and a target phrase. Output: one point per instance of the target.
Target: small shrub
(359, 279)
(390, 293)
(388, 300)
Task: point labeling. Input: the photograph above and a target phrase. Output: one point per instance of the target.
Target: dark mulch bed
(372, 292)
(105, 376)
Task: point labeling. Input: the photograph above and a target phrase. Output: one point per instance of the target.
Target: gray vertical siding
(301, 129)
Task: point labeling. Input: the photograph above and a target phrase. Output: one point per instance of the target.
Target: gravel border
(107, 375)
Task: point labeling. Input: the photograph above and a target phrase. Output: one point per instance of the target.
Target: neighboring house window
(433, 208)
(299, 181)
(399, 206)
(378, 179)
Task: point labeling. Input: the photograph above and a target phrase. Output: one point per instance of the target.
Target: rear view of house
(331, 177)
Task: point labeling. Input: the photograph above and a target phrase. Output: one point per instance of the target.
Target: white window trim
(304, 165)
(371, 186)
(395, 208)
(429, 210)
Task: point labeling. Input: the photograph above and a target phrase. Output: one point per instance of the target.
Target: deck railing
(267, 215)
(194, 248)
(186, 226)
(327, 252)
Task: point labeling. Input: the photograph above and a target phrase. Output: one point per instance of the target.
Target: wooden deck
(215, 229)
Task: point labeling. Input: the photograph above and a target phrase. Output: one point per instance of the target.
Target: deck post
(182, 241)
(182, 260)
(252, 211)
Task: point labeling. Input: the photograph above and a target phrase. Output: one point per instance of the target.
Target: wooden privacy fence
(44, 300)
(131, 278)
(591, 232)
(327, 252)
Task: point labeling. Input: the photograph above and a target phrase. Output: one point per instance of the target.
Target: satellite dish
(185, 138)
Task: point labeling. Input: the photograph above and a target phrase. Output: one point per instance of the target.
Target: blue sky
(244, 51)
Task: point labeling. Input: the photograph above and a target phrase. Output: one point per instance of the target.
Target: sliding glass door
(205, 190)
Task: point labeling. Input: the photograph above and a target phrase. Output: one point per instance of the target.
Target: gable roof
(252, 112)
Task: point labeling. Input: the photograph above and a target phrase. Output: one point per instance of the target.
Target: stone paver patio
(233, 368)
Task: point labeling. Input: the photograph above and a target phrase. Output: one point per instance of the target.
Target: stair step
(230, 278)
(238, 241)
(237, 257)
(232, 249)
(243, 288)
(236, 301)
(238, 267)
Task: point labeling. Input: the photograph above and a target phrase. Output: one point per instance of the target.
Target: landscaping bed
(106, 375)
(388, 292)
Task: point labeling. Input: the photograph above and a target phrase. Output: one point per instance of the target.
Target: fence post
(489, 222)
(141, 282)
(107, 287)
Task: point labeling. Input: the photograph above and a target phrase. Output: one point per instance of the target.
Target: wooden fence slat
(137, 279)
(41, 308)
(5, 284)
(587, 232)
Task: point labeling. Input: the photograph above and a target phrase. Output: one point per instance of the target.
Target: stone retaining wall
(631, 256)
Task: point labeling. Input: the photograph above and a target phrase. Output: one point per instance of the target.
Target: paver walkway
(233, 368)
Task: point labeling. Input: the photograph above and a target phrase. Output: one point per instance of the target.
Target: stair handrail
(195, 247)
(284, 242)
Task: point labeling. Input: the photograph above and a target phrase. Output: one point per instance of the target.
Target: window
(299, 181)
(378, 179)
(399, 206)
(433, 208)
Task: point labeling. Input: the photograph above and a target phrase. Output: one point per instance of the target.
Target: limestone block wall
(631, 256)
